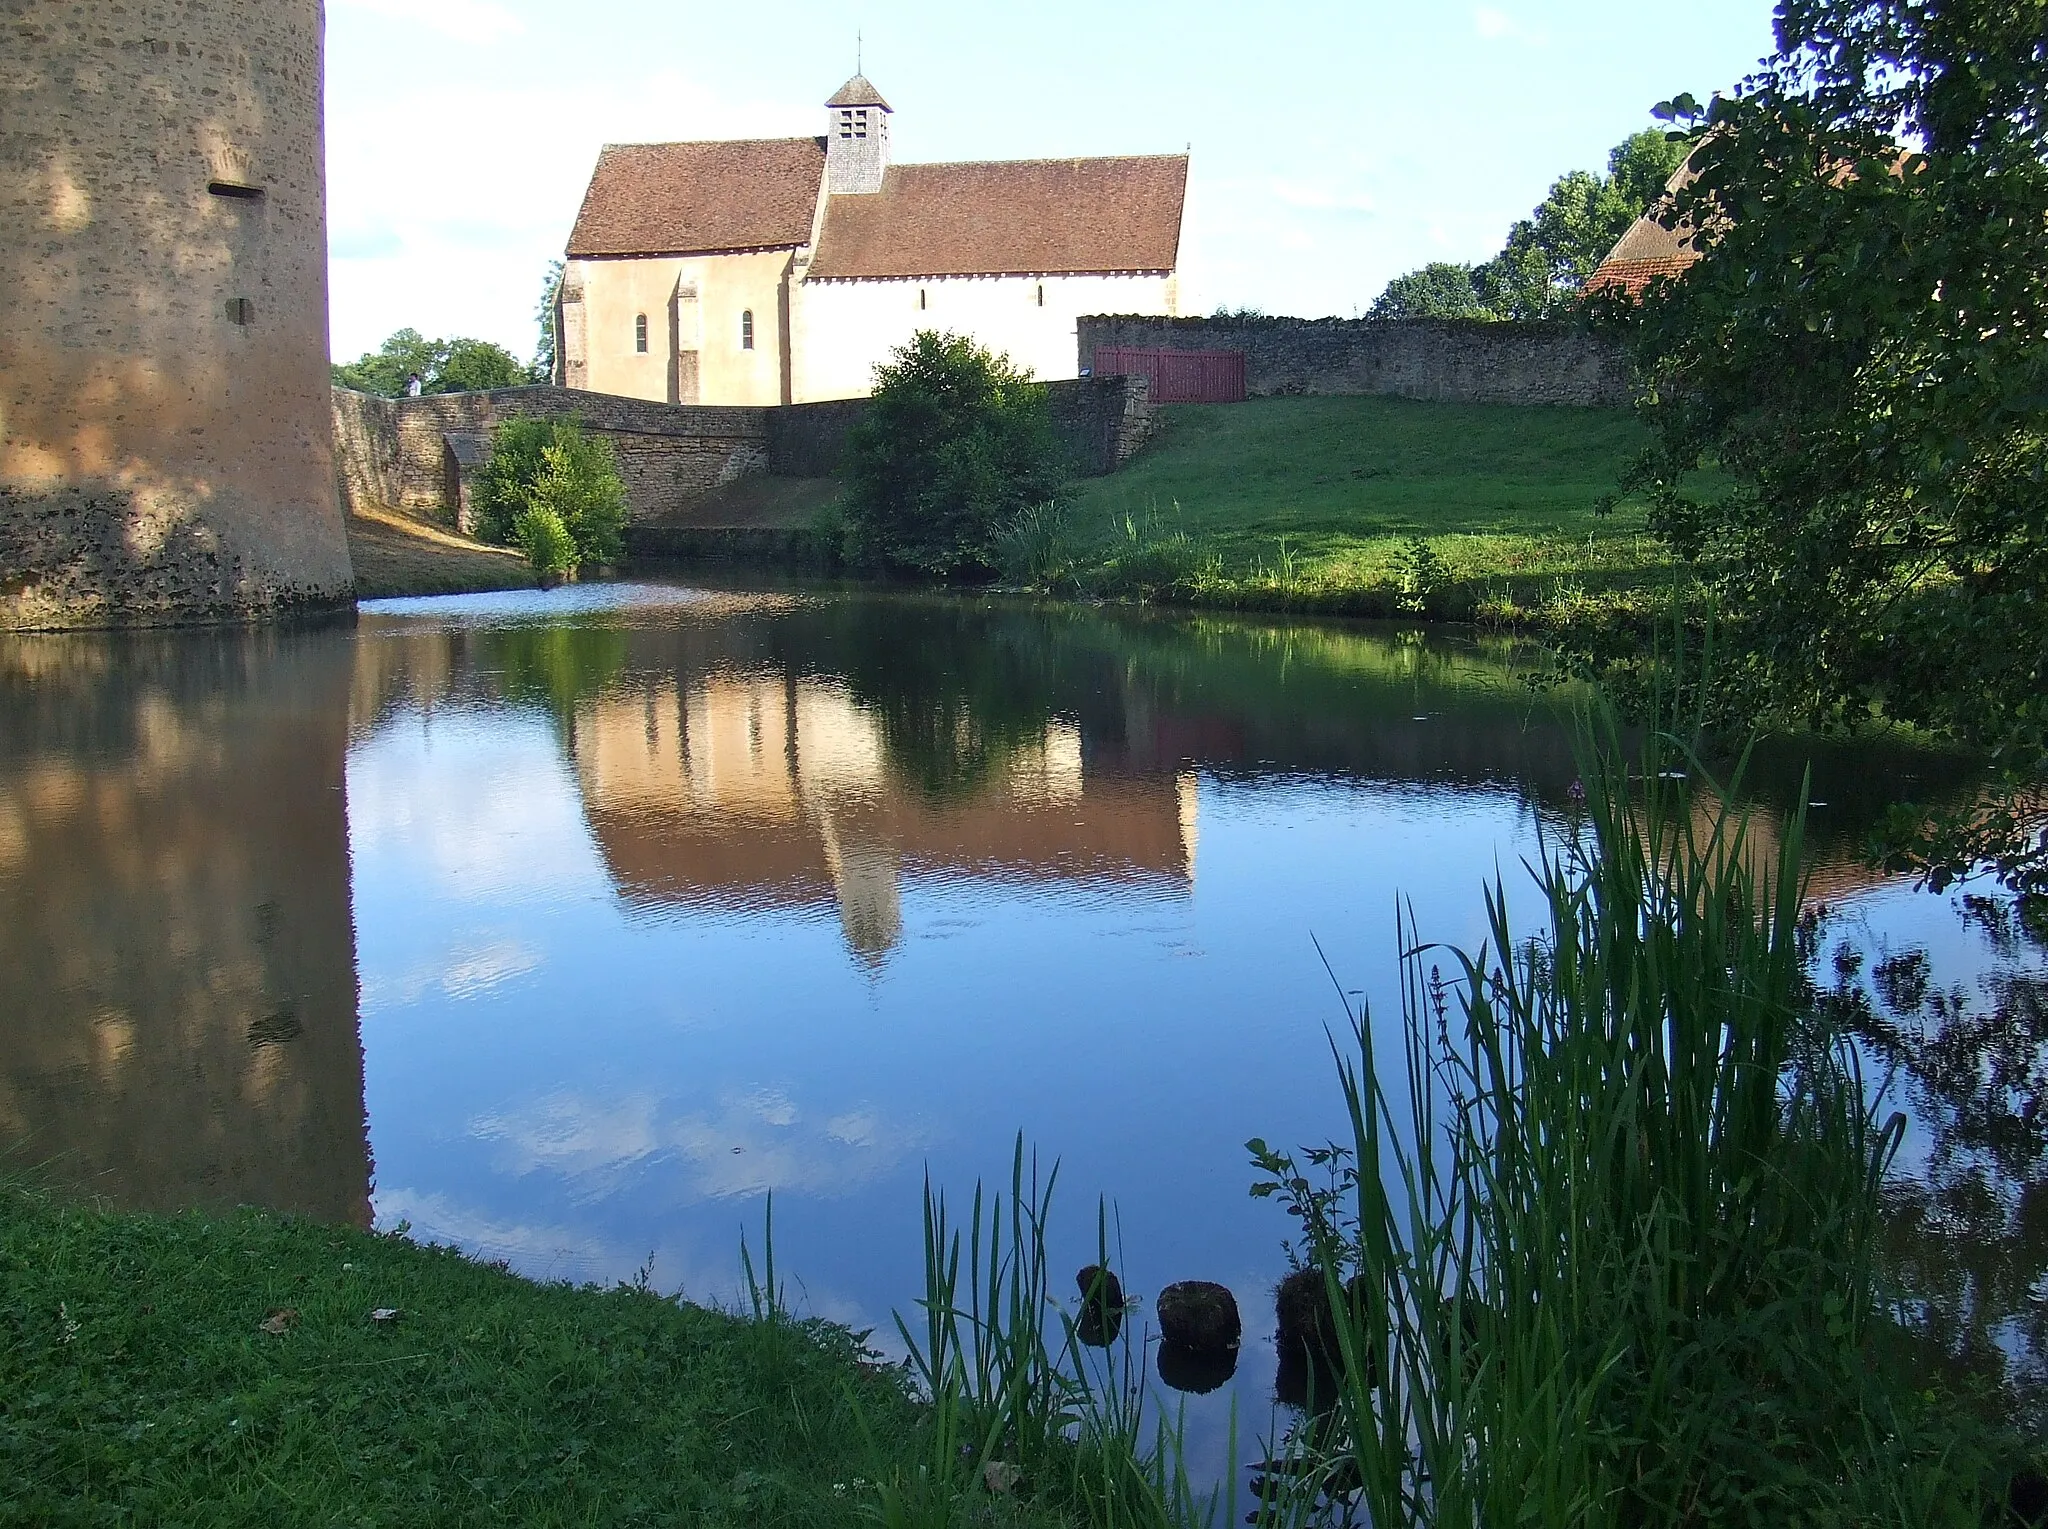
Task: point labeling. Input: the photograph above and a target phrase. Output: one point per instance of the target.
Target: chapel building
(782, 270)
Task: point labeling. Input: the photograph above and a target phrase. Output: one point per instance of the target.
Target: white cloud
(747, 1144)
(471, 21)
(427, 229)
(1498, 26)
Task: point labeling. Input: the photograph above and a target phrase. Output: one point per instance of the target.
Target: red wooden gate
(1179, 376)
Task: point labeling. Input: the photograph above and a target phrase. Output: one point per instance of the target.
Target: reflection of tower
(866, 879)
(180, 1023)
(758, 791)
(1187, 790)
(163, 315)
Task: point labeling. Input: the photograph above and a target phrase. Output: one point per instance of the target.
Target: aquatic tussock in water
(1602, 1248)
(1027, 1399)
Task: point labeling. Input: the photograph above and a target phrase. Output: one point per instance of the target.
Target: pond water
(567, 927)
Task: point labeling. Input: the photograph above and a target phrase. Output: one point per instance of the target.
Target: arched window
(1041, 294)
(920, 297)
(640, 333)
(747, 330)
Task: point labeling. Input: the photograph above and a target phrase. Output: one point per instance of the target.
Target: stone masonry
(1445, 361)
(163, 315)
(418, 453)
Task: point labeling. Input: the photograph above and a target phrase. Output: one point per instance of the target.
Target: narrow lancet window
(747, 330)
(640, 333)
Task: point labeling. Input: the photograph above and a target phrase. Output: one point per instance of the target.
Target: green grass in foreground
(1317, 503)
(137, 1386)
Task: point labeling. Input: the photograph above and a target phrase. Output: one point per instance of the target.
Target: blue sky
(1335, 145)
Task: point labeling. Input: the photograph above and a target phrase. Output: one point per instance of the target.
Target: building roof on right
(1010, 217)
(1648, 249)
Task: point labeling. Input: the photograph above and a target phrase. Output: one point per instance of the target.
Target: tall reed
(1018, 1406)
(1601, 1247)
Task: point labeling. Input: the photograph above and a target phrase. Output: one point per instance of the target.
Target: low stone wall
(1443, 360)
(419, 453)
(397, 452)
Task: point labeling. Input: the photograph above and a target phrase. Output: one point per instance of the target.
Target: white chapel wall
(844, 328)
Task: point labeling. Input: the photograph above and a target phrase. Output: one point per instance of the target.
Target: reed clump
(1032, 1412)
(1614, 1200)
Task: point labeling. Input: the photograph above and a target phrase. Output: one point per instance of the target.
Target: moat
(566, 927)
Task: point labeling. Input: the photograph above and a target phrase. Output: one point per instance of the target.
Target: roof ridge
(1041, 159)
(706, 143)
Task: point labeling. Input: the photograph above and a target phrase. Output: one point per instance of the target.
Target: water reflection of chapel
(765, 790)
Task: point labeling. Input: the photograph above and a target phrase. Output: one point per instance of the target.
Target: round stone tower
(165, 439)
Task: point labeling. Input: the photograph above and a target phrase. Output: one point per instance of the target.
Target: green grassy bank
(139, 1385)
(1365, 506)
(395, 553)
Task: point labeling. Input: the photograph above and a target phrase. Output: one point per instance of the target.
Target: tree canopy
(955, 445)
(459, 365)
(1443, 289)
(1860, 356)
(1549, 254)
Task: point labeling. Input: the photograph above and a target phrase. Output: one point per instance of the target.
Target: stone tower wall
(163, 315)
(855, 164)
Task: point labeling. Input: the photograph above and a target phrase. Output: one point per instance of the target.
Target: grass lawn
(139, 1385)
(399, 554)
(1317, 503)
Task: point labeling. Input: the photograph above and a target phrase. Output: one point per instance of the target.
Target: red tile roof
(1633, 277)
(1011, 217)
(691, 198)
(1647, 249)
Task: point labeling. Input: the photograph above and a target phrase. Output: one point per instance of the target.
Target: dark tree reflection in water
(1968, 1226)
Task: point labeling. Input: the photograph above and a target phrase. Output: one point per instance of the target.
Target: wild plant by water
(1018, 1405)
(1601, 1247)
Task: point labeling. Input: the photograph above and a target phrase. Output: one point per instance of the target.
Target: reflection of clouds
(705, 1272)
(471, 970)
(536, 1250)
(500, 819)
(749, 1143)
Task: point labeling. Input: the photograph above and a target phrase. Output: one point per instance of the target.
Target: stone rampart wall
(396, 451)
(415, 453)
(1443, 360)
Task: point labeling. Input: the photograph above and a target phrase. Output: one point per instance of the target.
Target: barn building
(783, 270)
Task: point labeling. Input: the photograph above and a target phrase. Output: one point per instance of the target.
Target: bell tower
(856, 139)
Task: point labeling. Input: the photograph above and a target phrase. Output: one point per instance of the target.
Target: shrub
(956, 445)
(540, 534)
(554, 465)
(579, 481)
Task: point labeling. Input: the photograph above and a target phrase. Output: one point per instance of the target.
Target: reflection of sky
(556, 1081)
(587, 1087)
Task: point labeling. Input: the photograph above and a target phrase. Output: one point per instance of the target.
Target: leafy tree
(459, 365)
(386, 370)
(956, 443)
(1862, 354)
(1549, 254)
(471, 366)
(1440, 290)
(543, 368)
(544, 474)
